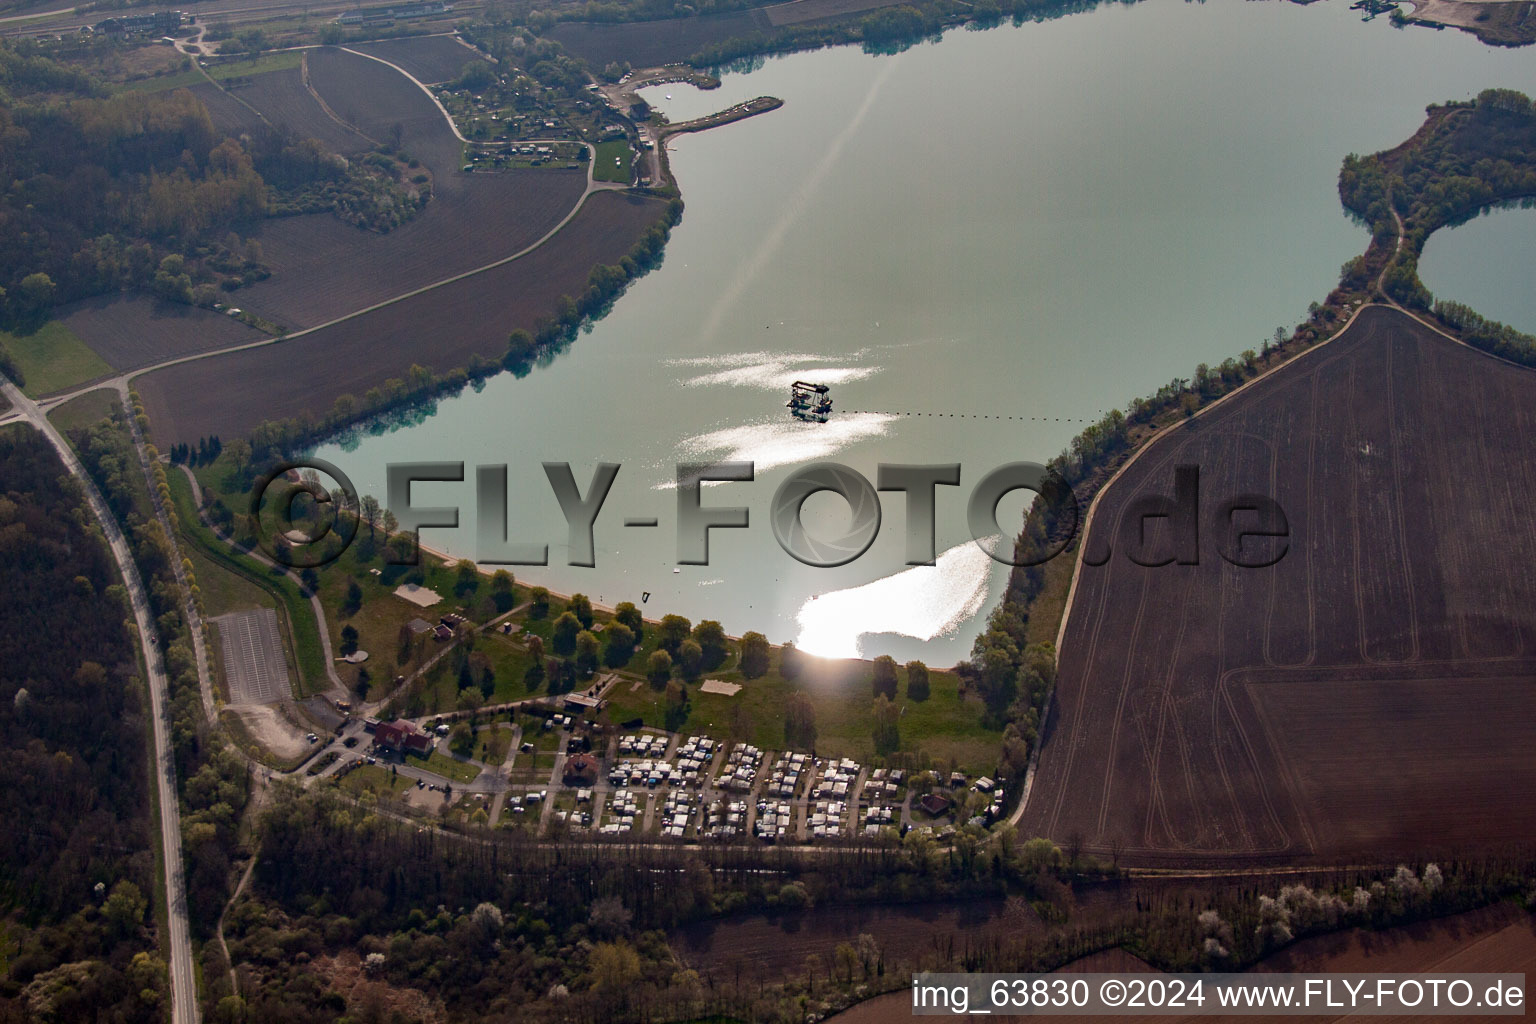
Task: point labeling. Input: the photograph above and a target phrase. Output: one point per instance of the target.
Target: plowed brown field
(428, 59)
(323, 268)
(1370, 694)
(288, 106)
(651, 43)
(439, 329)
(133, 332)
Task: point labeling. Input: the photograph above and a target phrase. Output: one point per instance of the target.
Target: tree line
(212, 779)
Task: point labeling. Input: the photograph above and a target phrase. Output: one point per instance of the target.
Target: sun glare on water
(924, 601)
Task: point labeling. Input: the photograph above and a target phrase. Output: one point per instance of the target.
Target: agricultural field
(648, 44)
(186, 402)
(428, 59)
(228, 114)
(375, 98)
(133, 331)
(798, 11)
(289, 107)
(1362, 696)
(323, 268)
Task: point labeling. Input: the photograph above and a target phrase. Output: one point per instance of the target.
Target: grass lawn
(245, 67)
(441, 764)
(225, 591)
(533, 769)
(1046, 609)
(164, 83)
(944, 726)
(380, 615)
(86, 411)
(52, 358)
(375, 779)
(614, 161)
(508, 662)
(492, 745)
(294, 609)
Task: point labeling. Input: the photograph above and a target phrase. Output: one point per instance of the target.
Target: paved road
(184, 1009)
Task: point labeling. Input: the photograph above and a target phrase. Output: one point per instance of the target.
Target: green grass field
(220, 71)
(944, 726)
(614, 161)
(246, 67)
(375, 779)
(224, 591)
(493, 745)
(294, 609)
(52, 358)
(164, 83)
(457, 771)
(86, 411)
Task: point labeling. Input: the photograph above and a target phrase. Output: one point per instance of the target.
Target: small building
(581, 702)
(934, 804)
(403, 737)
(581, 770)
(419, 626)
(441, 632)
(985, 785)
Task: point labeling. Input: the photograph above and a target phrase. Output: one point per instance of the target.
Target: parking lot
(253, 658)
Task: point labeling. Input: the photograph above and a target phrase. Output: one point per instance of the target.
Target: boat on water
(810, 402)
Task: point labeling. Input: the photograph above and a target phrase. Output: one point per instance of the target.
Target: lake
(1486, 264)
(980, 244)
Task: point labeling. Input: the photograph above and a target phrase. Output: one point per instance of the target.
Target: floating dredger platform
(809, 401)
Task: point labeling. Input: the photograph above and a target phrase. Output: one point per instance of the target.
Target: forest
(76, 866)
(353, 911)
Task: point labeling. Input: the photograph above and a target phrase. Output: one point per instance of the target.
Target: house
(581, 769)
(403, 737)
(934, 803)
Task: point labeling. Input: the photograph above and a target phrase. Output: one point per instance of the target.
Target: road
(184, 1008)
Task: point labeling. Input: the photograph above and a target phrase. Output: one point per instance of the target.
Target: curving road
(184, 1007)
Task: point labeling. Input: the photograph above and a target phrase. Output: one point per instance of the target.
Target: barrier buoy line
(973, 416)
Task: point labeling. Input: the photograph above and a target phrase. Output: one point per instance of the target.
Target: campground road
(184, 1007)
